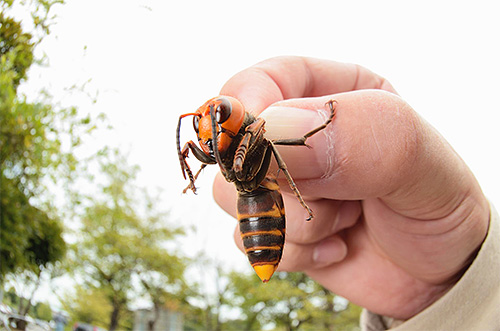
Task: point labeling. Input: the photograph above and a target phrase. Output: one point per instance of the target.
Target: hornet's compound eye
(223, 110)
(196, 123)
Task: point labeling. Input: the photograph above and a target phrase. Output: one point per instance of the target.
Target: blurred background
(95, 229)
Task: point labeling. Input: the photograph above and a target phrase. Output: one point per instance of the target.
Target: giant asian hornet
(244, 155)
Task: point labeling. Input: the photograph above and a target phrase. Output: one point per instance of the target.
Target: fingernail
(329, 251)
(281, 120)
(291, 122)
(347, 215)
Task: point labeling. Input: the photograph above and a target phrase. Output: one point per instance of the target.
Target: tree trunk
(208, 318)
(24, 311)
(113, 324)
(151, 323)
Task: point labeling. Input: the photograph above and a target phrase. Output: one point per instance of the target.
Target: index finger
(289, 77)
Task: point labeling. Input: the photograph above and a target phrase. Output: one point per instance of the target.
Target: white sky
(152, 60)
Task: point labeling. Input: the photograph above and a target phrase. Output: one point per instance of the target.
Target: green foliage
(42, 311)
(11, 298)
(88, 305)
(37, 140)
(41, 18)
(291, 301)
(16, 49)
(205, 307)
(123, 236)
(29, 238)
(37, 143)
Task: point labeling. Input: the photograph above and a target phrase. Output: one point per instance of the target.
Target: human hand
(398, 215)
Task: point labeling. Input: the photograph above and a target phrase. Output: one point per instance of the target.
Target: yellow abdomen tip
(265, 271)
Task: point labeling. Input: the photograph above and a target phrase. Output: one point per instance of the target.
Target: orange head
(229, 115)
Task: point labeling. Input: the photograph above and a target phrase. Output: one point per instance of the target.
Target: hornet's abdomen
(261, 216)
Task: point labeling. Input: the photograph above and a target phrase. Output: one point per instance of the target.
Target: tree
(162, 281)
(160, 273)
(37, 142)
(291, 301)
(117, 242)
(206, 297)
(16, 56)
(32, 152)
(16, 49)
(88, 305)
(41, 310)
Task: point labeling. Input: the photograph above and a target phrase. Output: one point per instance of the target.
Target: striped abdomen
(261, 216)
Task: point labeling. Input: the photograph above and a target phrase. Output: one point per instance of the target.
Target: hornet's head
(229, 114)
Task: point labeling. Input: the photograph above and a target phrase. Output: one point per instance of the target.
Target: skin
(398, 215)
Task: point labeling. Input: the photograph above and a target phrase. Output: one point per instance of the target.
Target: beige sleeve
(472, 304)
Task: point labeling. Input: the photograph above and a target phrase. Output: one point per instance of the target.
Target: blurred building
(168, 320)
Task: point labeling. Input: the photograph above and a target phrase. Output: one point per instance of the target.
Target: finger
(376, 147)
(289, 77)
(358, 152)
(317, 244)
(330, 217)
(313, 244)
(299, 257)
(225, 194)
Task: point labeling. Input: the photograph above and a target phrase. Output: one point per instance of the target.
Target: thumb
(376, 147)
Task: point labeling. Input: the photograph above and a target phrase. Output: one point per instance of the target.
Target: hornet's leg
(302, 140)
(295, 190)
(254, 134)
(191, 183)
(200, 155)
(183, 154)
